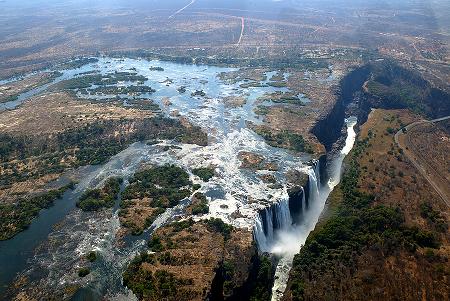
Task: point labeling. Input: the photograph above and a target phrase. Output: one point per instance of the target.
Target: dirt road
(415, 161)
(242, 31)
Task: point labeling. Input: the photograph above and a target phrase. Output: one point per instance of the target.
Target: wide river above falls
(49, 252)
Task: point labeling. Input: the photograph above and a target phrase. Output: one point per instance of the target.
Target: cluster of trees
(400, 88)
(261, 279)
(217, 225)
(16, 217)
(86, 81)
(433, 216)
(204, 173)
(165, 185)
(158, 285)
(113, 90)
(286, 139)
(357, 224)
(96, 199)
(200, 204)
(77, 63)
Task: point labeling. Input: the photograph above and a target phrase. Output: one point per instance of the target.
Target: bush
(155, 244)
(95, 199)
(92, 256)
(204, 173)
(286, 139)
(181, 225)
(217, 225)
(433, 216)
(261, 283)
(200, 205)
(15, 218)
(166, 185)
(83, 272)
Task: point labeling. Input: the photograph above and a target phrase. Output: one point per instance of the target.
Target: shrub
(217, 225)
(155, 244)
(83, 272)
(204, 173)
(92, 256)
(95, 199)
(201, 204)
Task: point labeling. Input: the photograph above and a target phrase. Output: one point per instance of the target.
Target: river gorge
(280, 219)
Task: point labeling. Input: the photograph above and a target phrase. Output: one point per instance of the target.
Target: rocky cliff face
(193, 261)
(328, 128)
(377, 242)
(383, 84)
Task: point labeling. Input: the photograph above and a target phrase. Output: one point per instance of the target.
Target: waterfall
(259, 235)
(303, 202)
(283, 215)
(270, 220)
(314, 185)
(278, 217)
(289, 241)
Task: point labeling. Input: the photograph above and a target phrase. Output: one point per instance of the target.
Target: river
(49, 253)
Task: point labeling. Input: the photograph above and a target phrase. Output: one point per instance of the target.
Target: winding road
(416, 164)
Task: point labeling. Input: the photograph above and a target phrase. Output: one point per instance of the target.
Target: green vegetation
(114, 90)
(283, 61)
(228, 273)
(200, 204)
(251, 84)
(9, 98)
(111, 79)
(91, 256)
(286, 139)
(88, 145)
(433, 216)
(83, 272)
(261, 286)
(398, 88)
(205, 173)
(16, 217)
(141, 104)
(217, 225)
(159, 285)
(200, 93)
(155, 244)
(277, 84)
(357, 224)
(156, 68)
(96, 199)
(149, 220)
(77, 63)
(83, 82)
(181, 225)
(165, 185)
(261, 110)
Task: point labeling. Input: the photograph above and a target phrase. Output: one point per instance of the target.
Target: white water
(289, 240)
(235, 195)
